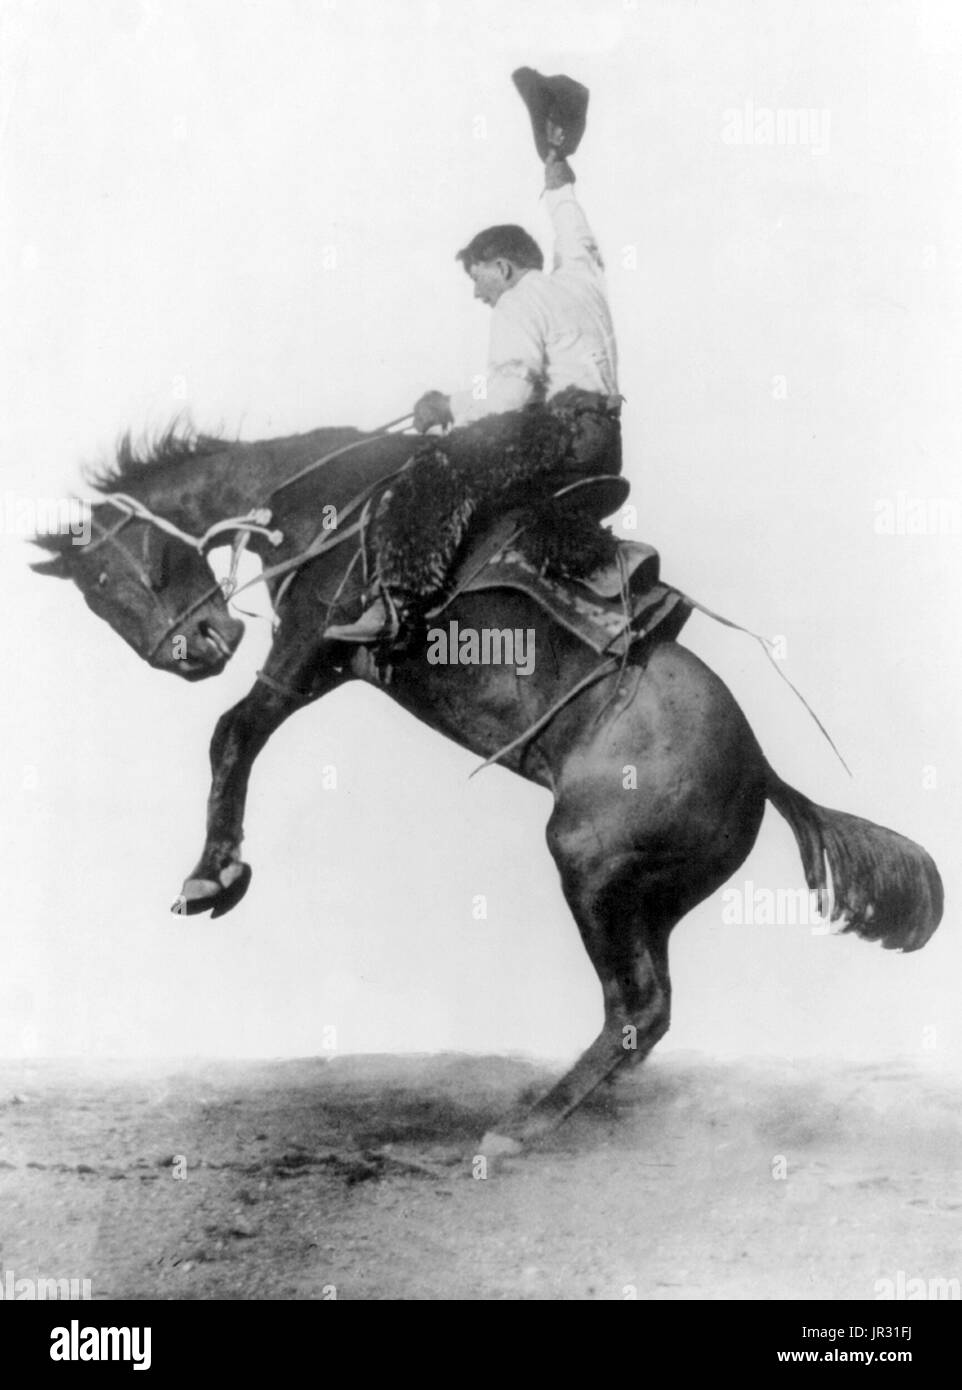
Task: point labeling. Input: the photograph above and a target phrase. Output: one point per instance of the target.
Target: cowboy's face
(493, 278)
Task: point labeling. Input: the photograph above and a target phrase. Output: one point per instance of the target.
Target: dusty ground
(357, 1173)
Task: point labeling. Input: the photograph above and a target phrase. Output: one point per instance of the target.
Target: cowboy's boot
(376, 623)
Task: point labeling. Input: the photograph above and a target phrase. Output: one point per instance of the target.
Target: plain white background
(249, 211)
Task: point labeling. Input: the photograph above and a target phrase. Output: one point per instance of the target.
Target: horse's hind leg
(624, 916)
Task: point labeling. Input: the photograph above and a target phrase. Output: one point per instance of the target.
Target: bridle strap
(109, 537)
(224, 587)
(136, 510)
(181, 617)
(255, 522)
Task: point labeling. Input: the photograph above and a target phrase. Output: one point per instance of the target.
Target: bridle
(242, 527)
(256, 522)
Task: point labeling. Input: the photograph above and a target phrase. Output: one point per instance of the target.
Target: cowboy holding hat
(548, 413)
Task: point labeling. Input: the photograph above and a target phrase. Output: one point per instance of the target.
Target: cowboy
(547, 413)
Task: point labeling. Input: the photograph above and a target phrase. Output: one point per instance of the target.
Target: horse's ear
(54, 567)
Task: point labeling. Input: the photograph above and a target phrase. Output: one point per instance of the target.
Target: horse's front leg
(221, 878)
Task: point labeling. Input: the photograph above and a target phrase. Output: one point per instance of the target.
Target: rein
(344, 449)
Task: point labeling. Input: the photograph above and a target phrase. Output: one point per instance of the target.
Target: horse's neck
(196, 493)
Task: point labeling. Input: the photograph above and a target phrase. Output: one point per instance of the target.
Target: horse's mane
(137, 463)
(179, 441)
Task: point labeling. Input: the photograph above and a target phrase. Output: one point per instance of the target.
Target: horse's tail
(885, 887)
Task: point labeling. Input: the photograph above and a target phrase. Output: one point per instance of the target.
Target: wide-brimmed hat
(559, 102)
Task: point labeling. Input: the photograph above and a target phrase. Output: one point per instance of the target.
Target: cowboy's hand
(434, 408)
(557, 171)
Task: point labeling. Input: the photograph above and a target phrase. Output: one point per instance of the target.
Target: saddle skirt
(611, 610)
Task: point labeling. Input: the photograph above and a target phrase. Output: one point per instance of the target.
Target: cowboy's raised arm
(575, 247)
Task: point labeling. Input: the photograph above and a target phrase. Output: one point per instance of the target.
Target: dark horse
(635, 851)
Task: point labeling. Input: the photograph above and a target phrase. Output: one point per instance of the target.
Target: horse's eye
(103, 579)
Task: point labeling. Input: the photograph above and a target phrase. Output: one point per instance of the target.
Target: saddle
(619, 605)
(606, 592)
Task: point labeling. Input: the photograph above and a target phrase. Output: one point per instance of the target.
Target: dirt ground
(355, 1177)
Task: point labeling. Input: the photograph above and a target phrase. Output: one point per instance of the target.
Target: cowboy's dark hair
(508, 241)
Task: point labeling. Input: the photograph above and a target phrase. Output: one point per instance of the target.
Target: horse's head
(154, 589)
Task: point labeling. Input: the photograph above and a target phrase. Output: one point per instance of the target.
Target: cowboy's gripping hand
(557, 170)
(434, 408)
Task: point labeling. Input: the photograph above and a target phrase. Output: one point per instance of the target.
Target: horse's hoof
(495, 1145)
(195, 896)
(213, 896)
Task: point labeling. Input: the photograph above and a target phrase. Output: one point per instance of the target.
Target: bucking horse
(635, 850)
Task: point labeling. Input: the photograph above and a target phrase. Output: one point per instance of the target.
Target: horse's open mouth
(215, 640)
(209, 651)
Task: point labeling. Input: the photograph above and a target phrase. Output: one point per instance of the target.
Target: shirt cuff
(564, 194)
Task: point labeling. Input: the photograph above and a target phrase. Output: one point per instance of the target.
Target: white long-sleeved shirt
(549, 331)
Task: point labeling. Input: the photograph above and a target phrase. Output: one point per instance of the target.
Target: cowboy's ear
(54, 567)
